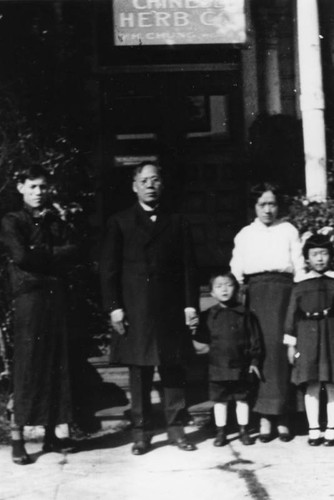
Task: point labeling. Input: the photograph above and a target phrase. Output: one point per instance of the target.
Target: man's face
(148, 185)
(34, 191)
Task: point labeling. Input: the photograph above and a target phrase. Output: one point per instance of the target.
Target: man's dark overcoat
(148, 269)
(39, 252)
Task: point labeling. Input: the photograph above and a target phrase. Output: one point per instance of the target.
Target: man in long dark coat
(148, 285)
(39, 252)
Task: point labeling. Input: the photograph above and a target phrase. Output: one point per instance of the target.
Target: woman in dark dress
(39, 252)
(267, 256)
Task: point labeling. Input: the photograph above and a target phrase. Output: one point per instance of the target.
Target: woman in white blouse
(267, 256)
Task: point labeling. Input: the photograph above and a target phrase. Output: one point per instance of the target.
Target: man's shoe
(140, 447)
(19, 453)
(220, 439)
(183, 444)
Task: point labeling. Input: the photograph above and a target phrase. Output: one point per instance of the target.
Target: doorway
(191, 122)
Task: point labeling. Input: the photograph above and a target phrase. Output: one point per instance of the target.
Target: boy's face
(319, 259)
(223, 289)
(34, 191)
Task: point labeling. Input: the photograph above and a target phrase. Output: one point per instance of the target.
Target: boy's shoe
(244, 436)
(220, 439)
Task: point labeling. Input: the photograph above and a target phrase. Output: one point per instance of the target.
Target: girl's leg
(220, 414)
(242, 411)
(312, 412)
(19, 453)
(329, 434)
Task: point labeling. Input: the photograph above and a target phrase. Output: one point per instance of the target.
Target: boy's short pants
(222, 391)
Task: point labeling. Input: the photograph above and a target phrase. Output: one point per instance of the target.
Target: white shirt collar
(147, 208)
(313, 274)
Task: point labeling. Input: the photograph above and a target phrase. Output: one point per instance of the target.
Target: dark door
(191, 122)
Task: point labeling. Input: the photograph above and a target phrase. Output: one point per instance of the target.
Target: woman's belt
(268, 273)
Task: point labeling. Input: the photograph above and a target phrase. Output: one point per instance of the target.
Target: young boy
(231, 337)
(309, 335)
(40, 252)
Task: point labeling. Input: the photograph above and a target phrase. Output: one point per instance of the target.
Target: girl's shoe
(220, 439)
(19, 453)
(244, 436)
(314, 436)
(329, 436)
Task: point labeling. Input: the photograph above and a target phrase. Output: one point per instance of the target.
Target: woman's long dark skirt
(40, 364)
(269, 295)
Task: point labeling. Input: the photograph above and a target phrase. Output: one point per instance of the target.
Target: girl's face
(266, 208)
(319, 259)
(223, 289)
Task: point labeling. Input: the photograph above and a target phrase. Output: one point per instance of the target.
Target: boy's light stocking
(220, 413)
(242, 411)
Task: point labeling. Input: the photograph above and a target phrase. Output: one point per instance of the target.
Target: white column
(272, 76)
(249, 73)
(312, 99)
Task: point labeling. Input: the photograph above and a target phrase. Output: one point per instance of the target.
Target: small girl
(309, 335)
(231, 337)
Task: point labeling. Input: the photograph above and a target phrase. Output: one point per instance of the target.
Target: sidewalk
(104, 468)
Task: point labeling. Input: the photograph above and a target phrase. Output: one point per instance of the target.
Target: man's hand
(191, 318)
(118, 321)
(292, 351)
(254, 369)
(201, 348)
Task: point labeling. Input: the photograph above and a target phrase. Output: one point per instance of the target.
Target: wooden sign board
(179, 22)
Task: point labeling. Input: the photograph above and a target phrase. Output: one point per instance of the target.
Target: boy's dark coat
(235, 342)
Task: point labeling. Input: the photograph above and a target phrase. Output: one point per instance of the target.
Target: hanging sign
(179, 22)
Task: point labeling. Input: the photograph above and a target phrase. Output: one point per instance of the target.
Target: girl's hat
(317, 241)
